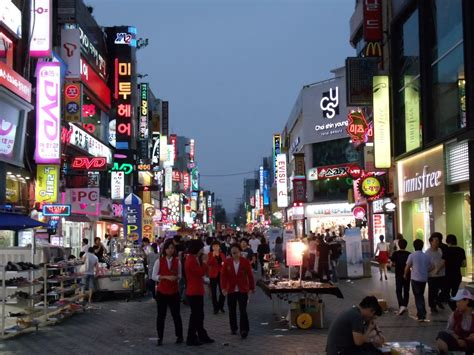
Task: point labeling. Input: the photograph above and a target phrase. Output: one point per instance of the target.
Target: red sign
(358, 128)
(186, 181)
(15, 82)
(72, 91)
(177, 176)
(373, 30)
(299, 190)
(87, 163)
(336, 171)
(355, 171)
(95, 83)
(358, 212)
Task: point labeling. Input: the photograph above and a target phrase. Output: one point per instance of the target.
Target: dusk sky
(232, 69)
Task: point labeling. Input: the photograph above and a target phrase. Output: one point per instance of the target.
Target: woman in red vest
(195, 269)
(236, 282)
(216, 260)
(167, 271)
(459, 335)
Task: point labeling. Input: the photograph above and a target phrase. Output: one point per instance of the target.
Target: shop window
(406, 49)
(334, 152)
(6, 50)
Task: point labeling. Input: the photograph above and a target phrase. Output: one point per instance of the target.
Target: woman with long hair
(167, 271)
(383, 255)
(195, 268)
(215, 262)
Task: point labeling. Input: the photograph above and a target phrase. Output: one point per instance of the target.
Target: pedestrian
(336, 252)
(417, 267)
(195, 270)
(383, 255)
(85, 245)
(436, 275)
(99, 249)
(91, 264)
(459, 334)
(402, 285)
(263, 249)
(247, 252)
(207, 247)
(323, 250)
(167, 271)
(397, 241)
(237, 281)
(354, 331)
(278, 251)
(151, 259)
(215, 262)
(254, 242)
(455, 258)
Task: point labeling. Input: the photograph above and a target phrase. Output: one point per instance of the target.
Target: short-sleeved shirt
(454, 257)
(340, 337)
(436, 259)
(400, 259)
(420, 264)
(90, 262)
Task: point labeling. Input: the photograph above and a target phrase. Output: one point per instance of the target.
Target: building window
(334, 152)
(447, 67)
(406, 49)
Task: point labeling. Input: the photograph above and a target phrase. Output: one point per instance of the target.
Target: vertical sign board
(192, 149)
(260, 179)
(372, 27)
(132, 218)
(282, 181)
(48, 113)
(41, 28)
(147, 221)
(412, 113)
(194, 179)
(165, 118)
(174, 144)
(47, 180)
(71, 52)
(276, 151)
(266, 188)
(355, 265)
(382, 142)
(168, 181)
(155, 154)
(143, 125)
(117, 181)
(73, 102)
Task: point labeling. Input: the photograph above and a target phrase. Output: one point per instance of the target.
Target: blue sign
(266, 188)
(132, 218)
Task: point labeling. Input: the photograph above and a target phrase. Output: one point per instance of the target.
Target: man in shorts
(91, 263)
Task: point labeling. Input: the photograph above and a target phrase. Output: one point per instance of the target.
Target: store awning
(16, 222)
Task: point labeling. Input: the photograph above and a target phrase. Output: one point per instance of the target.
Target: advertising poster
(132, 218)
(355, 266)
(47, 178)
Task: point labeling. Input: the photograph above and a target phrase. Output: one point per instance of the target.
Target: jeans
(434, 287)
(232, 300)
(162, 302)
(419, 293)
(334, 263)
(402, 290)
(196, 319)
(218, 303)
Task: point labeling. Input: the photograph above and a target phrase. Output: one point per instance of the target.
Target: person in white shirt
(254, 243)
(383, 250)
(91, 268)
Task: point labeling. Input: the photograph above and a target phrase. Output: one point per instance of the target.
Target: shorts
(88, 282)
(452, 343)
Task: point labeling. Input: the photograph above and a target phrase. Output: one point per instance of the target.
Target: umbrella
(16, 222)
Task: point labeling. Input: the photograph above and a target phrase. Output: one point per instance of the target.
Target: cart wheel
(304, 321)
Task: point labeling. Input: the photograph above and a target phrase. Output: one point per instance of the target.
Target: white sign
(328, 210)
(83, 200)
(422, 182)
(168, 180)
(330, 103)
(48, 113)
(41, 18)
(282, 181)
(89, 144)
(71, 52)
(10, 16)
(312, 174)
(355, 263)
(117, 185)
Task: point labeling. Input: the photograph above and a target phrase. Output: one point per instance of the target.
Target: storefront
(421, 192)
(334, 216)
(74, 229)
(382, 221)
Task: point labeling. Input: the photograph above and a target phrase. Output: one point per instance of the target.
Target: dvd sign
(86, 163)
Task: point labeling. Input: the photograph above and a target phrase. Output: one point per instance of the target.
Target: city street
(122, 327)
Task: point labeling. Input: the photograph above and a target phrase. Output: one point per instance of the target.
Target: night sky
(232, 69)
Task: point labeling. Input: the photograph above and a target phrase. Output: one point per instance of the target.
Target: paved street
(122, 327)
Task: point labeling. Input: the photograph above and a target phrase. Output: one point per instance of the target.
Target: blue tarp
(16, 222)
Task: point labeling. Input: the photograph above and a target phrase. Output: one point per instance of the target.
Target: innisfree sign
(422, 181)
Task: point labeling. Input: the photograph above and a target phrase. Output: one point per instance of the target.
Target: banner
(168, 181)
(83, 200)
(355, 265)
(276, 151)
(282, 181)
(412, 113)
(382, 142)
(47, 179)
(194, 179)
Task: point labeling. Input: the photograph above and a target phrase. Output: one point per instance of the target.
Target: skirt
(383, 257)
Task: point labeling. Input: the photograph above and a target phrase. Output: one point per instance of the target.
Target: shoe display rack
(34, 296)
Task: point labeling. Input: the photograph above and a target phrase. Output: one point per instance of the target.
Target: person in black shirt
(262, 250)
(399, 258)
(455, 259)
(323, 249)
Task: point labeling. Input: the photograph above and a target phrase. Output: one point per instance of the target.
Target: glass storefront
(74, 232)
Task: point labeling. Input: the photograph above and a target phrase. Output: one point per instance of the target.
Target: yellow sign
(412, 113)
(12, 190)
(147, 221)
(47, 178)
(371, 186)
(382, 142)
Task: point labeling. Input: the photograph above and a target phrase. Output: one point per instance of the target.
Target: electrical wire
(224, 175)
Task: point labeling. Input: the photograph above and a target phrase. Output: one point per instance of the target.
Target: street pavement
(122, 327)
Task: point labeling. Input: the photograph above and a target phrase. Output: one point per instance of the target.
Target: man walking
(420, 264)
(399, 258)
(436, 275)
(91, 262)
(455, 258)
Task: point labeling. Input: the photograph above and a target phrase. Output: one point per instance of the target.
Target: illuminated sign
(132, 218)
(48, 113)
(371, 187)
(299, 190)
(72, 102)
(14, 82)
(71, 52)
(332, 172)
(266, 188)
(192, 149)
(359, 130)
(47, 180)
(155, 155)
(422, 181)
(412, 113)
(282, 181)
(123, 102)
(373, 49)
(177, 176)
(93, 81)
(10, 17)
(276, 151)
(92, 54)
(147, 221)
(329, 103)
(260, 174)
(126, 168)
(358, 212)
(174, 144)
(194, 179)
(382, 143)
(83, 200)
(372, 25)
(143, 111)
(117, 181)
(144, 167)
(327, 210)
(40, 29)
(86, 142)
(57, 210)
(168, 181)
(186, 181)
(86, 163)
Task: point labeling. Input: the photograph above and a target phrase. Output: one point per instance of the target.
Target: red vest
(168, 287)
(458, 330)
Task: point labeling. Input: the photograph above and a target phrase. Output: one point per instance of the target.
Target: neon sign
(123, 96)
(358, 129)
(125, 167)
(86, 163)
(57, 210)
(371, 187)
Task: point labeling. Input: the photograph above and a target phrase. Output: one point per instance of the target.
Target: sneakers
(402, 310)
